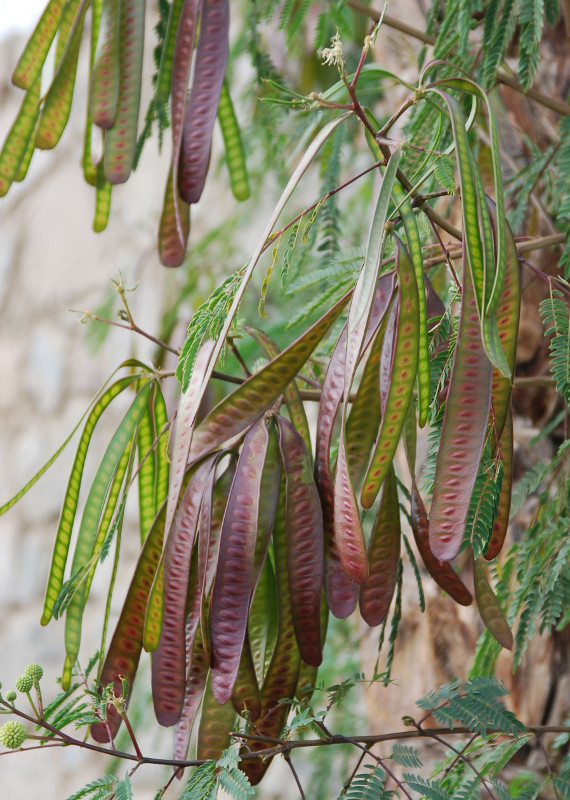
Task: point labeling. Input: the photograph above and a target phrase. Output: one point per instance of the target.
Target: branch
(416, 33)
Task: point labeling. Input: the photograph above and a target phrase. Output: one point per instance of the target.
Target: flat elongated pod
(341, 591)
(501, 524)
(68, 511)
(209, 69)
(508, 313)
(121, 139)
(102, 200)
(269, 497)
(57, 103)
(291, 394)
(216, 723)
(405, 363)
(19, 136)
(283, 671)
(463, 431)
(195, 686)
(146, 473)
(181, 55)
(235, 156)
(305, 557)
(232, 586)
(441, 571)
(307, 679)
(262, 622)
(348, 532)
(164, 78)
(125, 648)
(174, 228)
(35, 53)
(364, 416)
(105, 73)
(92, 514)
(169, 659)
(245, 694)
(383, 555)
(491, 612)
(257, 393)
(162, 461)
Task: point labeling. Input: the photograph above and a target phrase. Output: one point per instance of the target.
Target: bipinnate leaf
(125, 648)
(92, 512)
(169, 659)
(491, 612)
(35, 53)
(235, 156)
(341, 591)
(232, 586)
(383, 554)
(441, 571)
(463, 431)
(121, 139)
(248, 402)
(105, 73)
(405, 363)
(201, 111)
(216, 724)
(305, 557)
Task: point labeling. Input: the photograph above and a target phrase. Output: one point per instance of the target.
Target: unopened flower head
(333, 54)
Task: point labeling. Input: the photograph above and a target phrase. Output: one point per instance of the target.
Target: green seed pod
(24, 683)
(35, 672)
(12, 734)
(11, 696)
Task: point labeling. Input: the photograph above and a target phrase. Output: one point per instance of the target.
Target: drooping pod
(305, 557)
(232, 586)
(105, 73)
(491, 612)
(463, 431)
(209, 69)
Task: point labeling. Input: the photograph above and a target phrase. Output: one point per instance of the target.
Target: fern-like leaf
(406, 756)
(100, 788)
(556, 317)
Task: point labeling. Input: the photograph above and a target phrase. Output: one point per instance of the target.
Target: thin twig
(287, 757)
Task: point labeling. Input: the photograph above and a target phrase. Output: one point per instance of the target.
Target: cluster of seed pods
(195, 43)
(265, 539)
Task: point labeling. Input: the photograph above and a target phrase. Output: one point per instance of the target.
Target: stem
(131, 327)
(409, 30)
(287, 757)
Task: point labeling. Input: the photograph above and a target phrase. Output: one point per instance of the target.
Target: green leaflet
(493, 293)
(235, 156)
(491, 612)
(32, 59)
(121, 140)
(92, 514)
(405, 362)
(16, 144)
(415, 251)
(250, 400)
(69, 508)
(291, 394)
(103, 189)
(105, 69)
(146, 472)
(57, 104)
(164, 78)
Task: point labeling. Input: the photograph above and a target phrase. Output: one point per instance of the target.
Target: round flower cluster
(12, 734)
(24, 683)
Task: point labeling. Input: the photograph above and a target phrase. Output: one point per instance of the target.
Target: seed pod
(501, 524)
(463, 431)
(125, 648)
(491, 612)
(245, 694)
(105, 73)
(235, 156)
(31, 61)
(405, 362)
(383, 555)
(169, 659)
(216, 724)
(209, 69)
(232, 587)
(193, 693)
(174, 228)
(305, 558)
(341, 591)
(441, 571)
(20, 135)
(347, 526)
